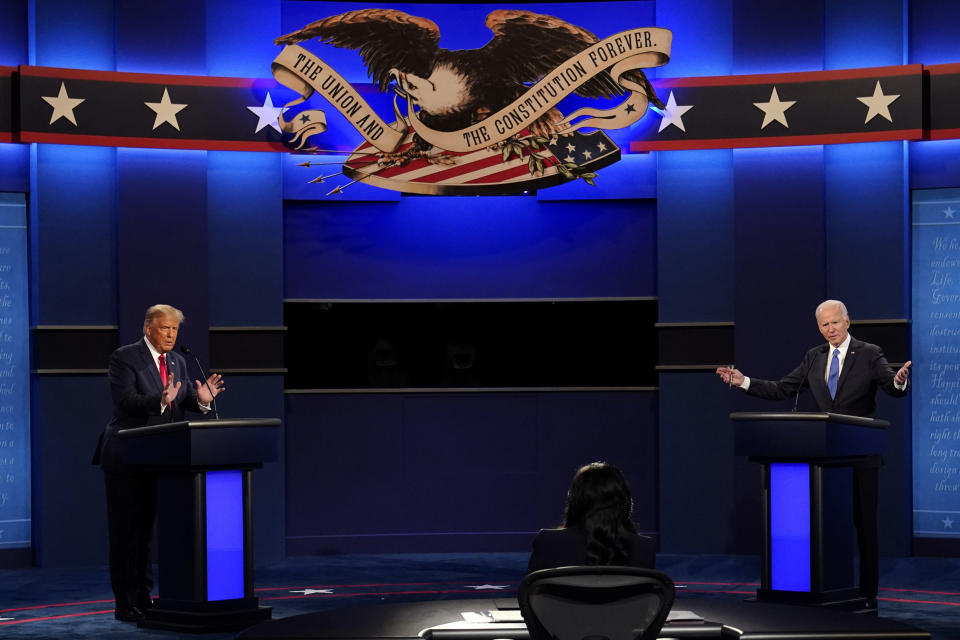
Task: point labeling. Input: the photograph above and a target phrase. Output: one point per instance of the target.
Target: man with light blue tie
(843, 376)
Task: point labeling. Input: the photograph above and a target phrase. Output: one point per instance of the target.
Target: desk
(729, 619)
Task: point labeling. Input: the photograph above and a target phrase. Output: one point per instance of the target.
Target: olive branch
(535, 164)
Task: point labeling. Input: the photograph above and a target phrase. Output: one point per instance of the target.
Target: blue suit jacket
(864, 370)
(136, 389)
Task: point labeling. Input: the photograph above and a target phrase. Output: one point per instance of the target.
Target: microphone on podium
(803, 381)
(203, 375)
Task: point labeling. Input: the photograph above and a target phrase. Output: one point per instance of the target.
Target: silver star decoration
(879, 104)
(310, 592)
(267, 114)
(948, 212)
(947, 523)
(672, 114)
(602, 147)
(63, 105)
(166, 111)
(774, 109)
(486, 587)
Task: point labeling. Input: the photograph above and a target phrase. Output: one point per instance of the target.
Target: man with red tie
(146, 384)
(843, 375)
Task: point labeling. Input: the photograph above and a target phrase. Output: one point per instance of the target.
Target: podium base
(842, 599)
(187, 621)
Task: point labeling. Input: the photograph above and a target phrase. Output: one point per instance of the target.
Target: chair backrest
(595, 603)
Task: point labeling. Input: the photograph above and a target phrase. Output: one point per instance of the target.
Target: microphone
(203, 375)
(803, 381)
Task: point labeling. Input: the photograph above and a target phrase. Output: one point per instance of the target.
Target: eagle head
(447, 90)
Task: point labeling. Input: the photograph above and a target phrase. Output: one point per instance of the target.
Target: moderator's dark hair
(599, 501)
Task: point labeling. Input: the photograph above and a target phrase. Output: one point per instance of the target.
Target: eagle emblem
(475, 116)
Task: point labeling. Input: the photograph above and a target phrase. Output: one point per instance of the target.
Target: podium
(806, 462)
(204, 525)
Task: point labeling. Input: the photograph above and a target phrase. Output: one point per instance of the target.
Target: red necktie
(163, 370)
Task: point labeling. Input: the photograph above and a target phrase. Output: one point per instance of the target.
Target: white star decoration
(948, 212)
(570, 147)
(267, 114)
(310, 592)
(63, 105)
(947, 523)
(166, 111)
(774, 109)
(587, 155)
(486, 587)
(601, 147)
(879, 104)
(672, 114)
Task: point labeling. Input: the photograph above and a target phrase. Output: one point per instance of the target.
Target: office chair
(595, 603)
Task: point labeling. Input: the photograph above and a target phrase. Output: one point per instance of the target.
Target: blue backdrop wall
(744, 242)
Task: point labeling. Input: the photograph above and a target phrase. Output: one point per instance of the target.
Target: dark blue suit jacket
(136, 389)
(864, 370)
(568, 547)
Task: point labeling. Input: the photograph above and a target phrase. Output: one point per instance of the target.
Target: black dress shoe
(128, 614)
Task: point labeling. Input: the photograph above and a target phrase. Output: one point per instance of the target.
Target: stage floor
(42, 603)
(722, 619)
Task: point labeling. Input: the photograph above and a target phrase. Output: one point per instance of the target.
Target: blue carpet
(77, 603)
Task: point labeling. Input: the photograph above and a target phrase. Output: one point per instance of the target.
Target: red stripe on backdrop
(152, 143)
(146, 78)
(784, 78)
(775, 141)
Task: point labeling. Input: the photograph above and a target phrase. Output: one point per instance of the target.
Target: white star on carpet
(774, 109)
(672, 114)
(267, 114)
(948, 212)
(63, 105)
(486, 587)
(166, 111)
(879, 104)
(310, 592)
(947, 523)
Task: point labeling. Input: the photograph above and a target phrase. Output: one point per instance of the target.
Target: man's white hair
(158, 310)
(831, 303)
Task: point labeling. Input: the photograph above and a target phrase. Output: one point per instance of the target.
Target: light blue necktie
(834, 373)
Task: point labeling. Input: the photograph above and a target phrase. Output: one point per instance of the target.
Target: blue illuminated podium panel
(806, 462)
(204, 527)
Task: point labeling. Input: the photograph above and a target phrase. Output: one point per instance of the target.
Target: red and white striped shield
(488, 171)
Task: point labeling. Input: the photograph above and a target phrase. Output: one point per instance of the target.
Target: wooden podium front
(205, 532)
(807, 461)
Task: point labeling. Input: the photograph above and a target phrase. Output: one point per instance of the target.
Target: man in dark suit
(146, 387)
(843, 376)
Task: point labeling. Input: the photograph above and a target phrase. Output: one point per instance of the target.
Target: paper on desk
(679, 615)
(504, 615)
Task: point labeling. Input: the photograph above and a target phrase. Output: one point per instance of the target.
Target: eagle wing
(526, 46)
(386, 39)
